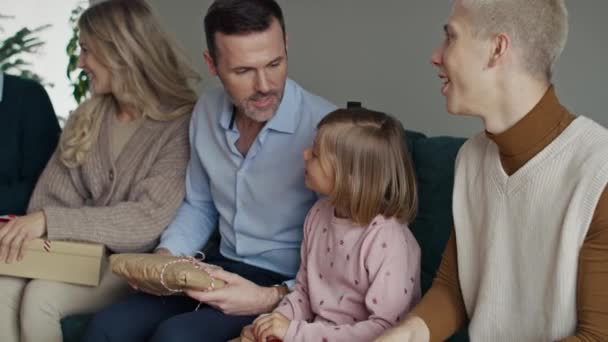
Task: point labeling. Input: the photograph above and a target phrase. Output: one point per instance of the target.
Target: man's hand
(270, 326)
(413, 329)
(239, 296)
(17, 232)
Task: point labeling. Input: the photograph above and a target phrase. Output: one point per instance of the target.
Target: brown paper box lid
(67, 247)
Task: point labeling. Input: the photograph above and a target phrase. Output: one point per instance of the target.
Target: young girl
(360, 266)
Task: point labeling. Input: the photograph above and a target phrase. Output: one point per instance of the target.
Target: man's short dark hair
(240, 17)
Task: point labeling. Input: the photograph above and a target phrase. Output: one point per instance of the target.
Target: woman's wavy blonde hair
(373, 172)
(147, 73)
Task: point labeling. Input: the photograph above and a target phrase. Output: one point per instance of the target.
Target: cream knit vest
(518, 237)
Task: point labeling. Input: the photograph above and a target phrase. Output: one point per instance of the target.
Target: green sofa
(433, 159)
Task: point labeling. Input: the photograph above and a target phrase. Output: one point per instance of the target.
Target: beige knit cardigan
(126, 204)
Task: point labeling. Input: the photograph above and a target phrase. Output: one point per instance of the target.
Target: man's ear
(499, 48)
(210, 63)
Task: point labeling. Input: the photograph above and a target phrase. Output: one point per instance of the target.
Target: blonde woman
(117, 177)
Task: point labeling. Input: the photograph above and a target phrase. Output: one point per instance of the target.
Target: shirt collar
(284, 120)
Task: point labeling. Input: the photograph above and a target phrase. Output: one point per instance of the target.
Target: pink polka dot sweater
(354, 282)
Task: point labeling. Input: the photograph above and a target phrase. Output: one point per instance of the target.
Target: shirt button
(111, 175)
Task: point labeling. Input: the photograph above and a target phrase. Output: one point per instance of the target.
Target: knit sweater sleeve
(442, 307)
(134, 224)
(592, 296)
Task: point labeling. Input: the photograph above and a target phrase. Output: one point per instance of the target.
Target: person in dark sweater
(29, 136)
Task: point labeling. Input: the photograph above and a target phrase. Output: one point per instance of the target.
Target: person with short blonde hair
(538, 29)
(360, 270)
(526, 260)
(117, 177)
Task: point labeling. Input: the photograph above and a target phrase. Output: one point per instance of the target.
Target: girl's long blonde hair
(373, 171)
(147, 73)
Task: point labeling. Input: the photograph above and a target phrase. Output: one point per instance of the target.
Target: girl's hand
(16, 232)
(247, 334)
(270, 326)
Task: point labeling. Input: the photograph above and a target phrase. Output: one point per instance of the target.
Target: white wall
(51, 61)
(378, 52)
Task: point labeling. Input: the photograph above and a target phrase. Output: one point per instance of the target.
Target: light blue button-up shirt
(260, 200)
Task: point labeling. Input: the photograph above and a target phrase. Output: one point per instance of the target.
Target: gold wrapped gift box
(163, 275)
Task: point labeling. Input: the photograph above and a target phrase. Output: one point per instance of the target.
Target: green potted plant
(78, 79)
(14, 50)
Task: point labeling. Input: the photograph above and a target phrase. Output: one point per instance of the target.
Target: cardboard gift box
(70, 262)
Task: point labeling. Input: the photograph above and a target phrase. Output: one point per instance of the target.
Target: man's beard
(264, 114)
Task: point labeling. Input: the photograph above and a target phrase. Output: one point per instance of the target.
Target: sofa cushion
(74, 327)
(434, 160)
(410, 138)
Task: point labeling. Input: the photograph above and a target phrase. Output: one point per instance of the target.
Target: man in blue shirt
(246, 175)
